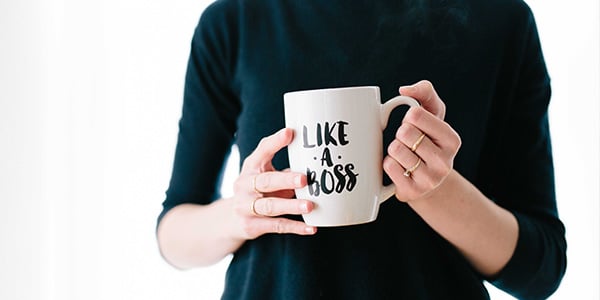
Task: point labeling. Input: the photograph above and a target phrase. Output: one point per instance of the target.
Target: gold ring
(417, 143)
(254, 185)
(408, 172)
(253, 208)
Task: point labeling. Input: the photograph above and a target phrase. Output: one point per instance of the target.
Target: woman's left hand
(422, 154)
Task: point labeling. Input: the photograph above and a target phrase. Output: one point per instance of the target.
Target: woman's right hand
(193, 235)
(262, 195)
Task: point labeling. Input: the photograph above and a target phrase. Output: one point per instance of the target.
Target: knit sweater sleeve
(525, 180)
(210, 108)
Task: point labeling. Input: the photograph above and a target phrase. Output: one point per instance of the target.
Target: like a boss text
(332, 176)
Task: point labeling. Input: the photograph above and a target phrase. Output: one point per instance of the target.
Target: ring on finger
(409, 171)
(417, 143)
(253, 208)
(256, 190)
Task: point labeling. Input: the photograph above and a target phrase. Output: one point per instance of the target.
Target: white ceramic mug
(338, 143)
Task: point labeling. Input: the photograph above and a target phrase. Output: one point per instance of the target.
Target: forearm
(485, 233)
(192, 235)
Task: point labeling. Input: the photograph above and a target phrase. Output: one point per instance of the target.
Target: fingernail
(409, 88)
(309, 229)
(298, 181)
(304, 207)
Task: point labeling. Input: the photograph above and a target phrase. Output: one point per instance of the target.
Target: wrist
(232, 230)
(437, 192)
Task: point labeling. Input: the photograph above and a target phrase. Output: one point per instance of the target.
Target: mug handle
(385, 111)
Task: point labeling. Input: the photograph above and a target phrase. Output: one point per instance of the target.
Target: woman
(486, 212)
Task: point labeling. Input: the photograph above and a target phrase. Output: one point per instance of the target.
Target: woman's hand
(262, 194)
(422, 169)
(192, 235)
(422, 154)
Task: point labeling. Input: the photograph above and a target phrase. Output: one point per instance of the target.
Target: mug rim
(333, 89)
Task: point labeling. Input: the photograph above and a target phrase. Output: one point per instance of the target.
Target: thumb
(424, 92)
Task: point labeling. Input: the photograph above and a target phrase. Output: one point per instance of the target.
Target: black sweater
(485, 61)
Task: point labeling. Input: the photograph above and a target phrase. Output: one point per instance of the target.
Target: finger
(267, 148)
(408, 187)
(408, 134)
(427, 96)
(438, 131)
(402, 154)
(285, 193)
(261, 226)
(277, 181)
(410, 163)
(272, 207)
(396, 173)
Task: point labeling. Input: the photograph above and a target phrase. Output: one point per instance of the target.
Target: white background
(90, 96)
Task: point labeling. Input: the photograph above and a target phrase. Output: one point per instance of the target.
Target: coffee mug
(338, 144)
